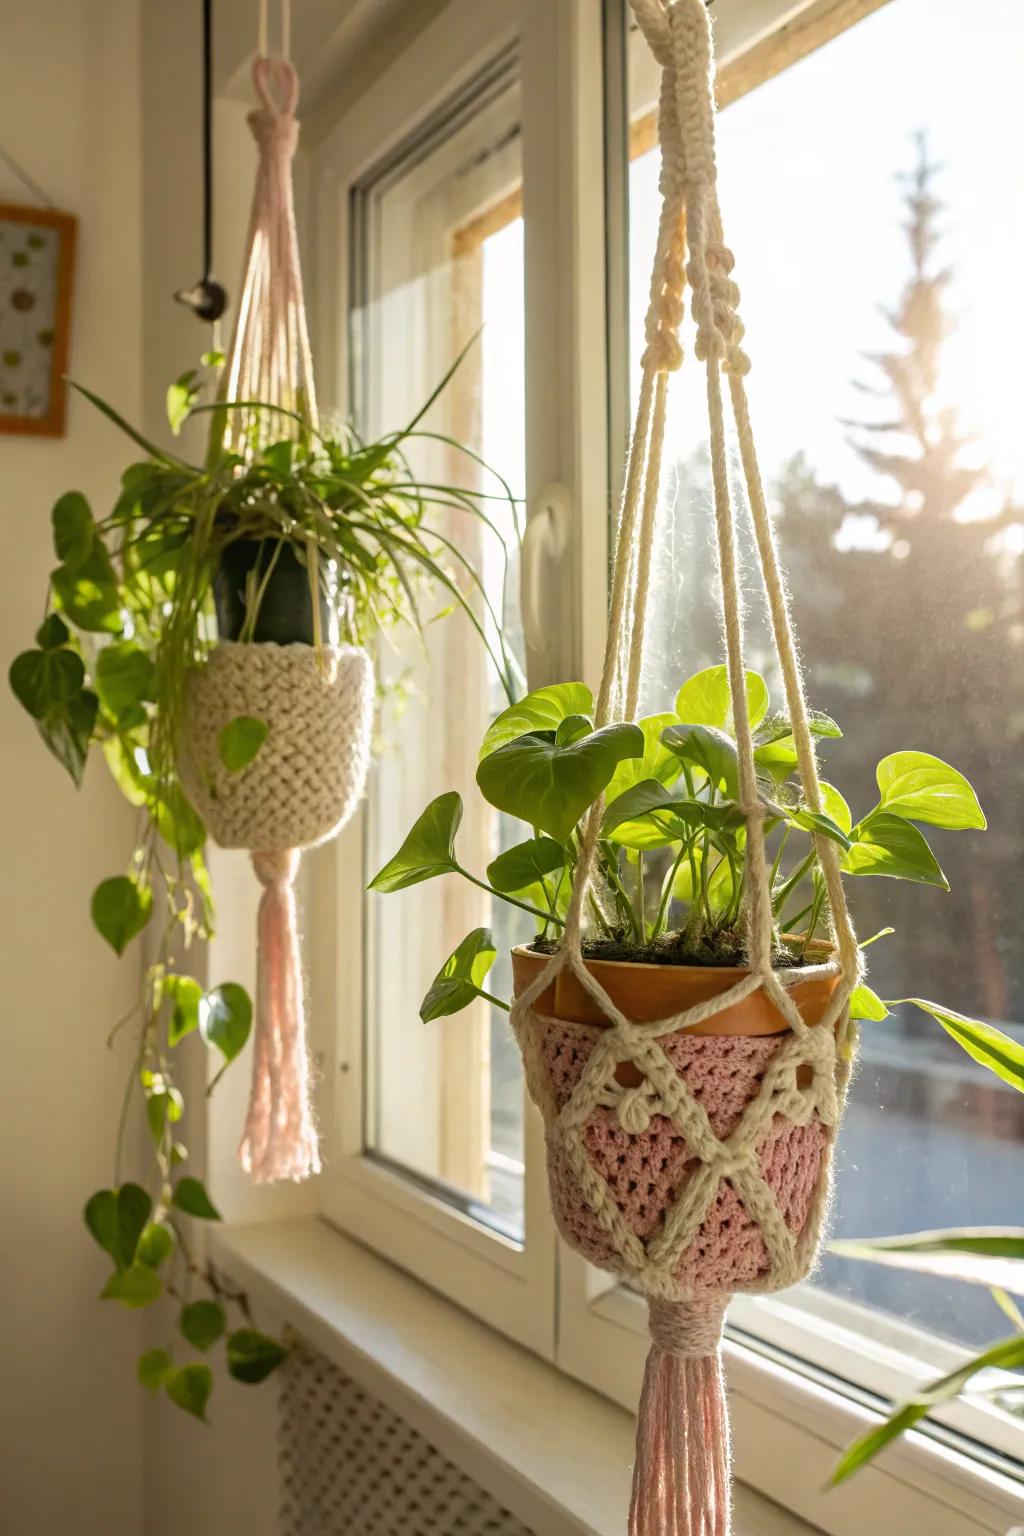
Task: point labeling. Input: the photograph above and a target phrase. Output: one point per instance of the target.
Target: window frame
(789, 1423)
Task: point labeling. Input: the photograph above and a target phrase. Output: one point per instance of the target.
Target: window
(439, 235)
(496, 194)
(864, 190)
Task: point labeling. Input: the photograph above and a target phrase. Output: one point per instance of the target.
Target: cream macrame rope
(690, 224)
(691, 248)
(643, 1164)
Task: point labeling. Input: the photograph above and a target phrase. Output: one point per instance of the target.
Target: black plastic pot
(285, 614)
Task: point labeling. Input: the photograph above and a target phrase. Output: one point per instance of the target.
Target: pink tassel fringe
(681, 1474)
(280, 1140)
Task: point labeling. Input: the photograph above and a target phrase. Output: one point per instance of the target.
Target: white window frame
(788, 1427)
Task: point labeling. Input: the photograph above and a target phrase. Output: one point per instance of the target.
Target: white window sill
(551, 1451)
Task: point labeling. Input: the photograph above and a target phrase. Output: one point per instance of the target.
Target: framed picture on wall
(37, 249)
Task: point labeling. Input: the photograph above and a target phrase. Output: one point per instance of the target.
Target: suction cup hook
(207, 299)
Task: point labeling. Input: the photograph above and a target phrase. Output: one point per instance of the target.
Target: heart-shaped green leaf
(817, 822)
(189, 1387)
(550, 786)
(120, 910)
(117, 1218)
(707, 748)
(637, 818)
(459, 981)
(252, 1355)
(833, 804)
(190, 1196)
(241, 741)
(52, 633)
(705, 699)
(137, 1286)
(542, 710)
(155, 1244)
(125, 676)
(42, 681)
(657, 761)
(225, 1018)
(202, 1323)
(74, 531)
(88, 592)
(185, 996)
(525, 865)
(154, 1368)
(924, 788)
(883, 844)
(428, 850)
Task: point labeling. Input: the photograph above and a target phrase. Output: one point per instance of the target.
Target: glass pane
(441, 259)
(867, 194)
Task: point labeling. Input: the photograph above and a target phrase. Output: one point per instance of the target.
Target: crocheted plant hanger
(316, 701)
(693, 1166)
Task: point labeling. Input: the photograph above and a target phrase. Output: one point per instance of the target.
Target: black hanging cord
(208, 300)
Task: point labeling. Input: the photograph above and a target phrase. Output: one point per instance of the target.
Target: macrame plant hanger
(775, 1160)
(317, 700)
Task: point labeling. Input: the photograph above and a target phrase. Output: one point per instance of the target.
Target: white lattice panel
(351, 1467)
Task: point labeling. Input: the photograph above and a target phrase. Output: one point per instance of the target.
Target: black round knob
(207, 300)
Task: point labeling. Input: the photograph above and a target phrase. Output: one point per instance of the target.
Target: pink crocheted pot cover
(647, 1171)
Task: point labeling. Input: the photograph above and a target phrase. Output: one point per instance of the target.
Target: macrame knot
(687, 1328)
(274, 133)
(636, 1107)
(278, 866)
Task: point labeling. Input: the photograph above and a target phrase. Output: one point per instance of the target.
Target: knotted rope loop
(276, 867)
(687, 1328)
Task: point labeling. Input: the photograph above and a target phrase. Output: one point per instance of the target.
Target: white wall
(71, 1419)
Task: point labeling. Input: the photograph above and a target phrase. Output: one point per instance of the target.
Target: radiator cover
(352, 1467)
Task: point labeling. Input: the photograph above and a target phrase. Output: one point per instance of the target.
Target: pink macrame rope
(681, 1473)
(270, 359)
(270, 362)
(280, 1140)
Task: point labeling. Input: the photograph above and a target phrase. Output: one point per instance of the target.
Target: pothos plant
(672, 872)
(672, 848)
(128, 611)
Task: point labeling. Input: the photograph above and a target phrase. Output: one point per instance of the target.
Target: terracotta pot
(645, 992)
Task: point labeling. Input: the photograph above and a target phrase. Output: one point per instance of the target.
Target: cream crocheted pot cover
(712, 1176)
(308, 776)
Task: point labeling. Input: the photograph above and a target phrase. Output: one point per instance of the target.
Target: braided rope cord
(691, 251)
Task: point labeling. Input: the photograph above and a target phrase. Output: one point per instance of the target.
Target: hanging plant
(687, 1012)
(208, 635)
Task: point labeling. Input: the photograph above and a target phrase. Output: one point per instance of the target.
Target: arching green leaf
(987, 1045)
(865, 1004)
(525, 865)
(429, 849)
(460, 979)
(707, 748)
(883, 844)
